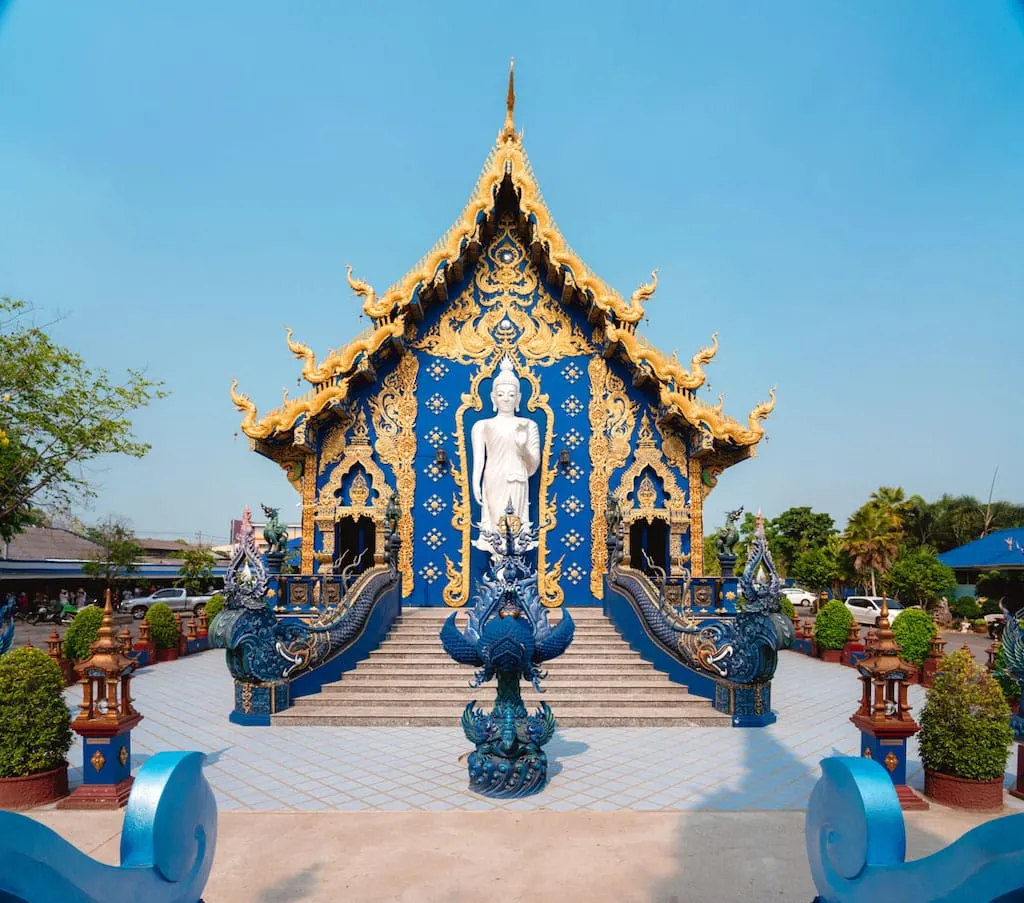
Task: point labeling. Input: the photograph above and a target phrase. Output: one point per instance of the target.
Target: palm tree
(873, 536)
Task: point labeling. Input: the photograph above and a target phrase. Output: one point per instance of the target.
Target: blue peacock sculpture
(508, 637)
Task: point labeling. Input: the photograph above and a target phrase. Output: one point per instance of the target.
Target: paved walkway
(186, 704)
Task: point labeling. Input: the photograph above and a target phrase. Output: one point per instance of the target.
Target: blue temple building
(619, 422)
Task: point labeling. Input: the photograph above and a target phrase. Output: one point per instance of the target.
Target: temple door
(353, 538)
(652, 538)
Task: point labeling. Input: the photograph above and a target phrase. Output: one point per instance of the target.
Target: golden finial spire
(510, 102)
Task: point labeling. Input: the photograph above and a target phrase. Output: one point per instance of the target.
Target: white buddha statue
(506, 453)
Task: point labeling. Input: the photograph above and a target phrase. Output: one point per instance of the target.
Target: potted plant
(832, 630)
(214, 607)
(913, 630)
(82, 633)
(35, 732)
(979, 625)
(163, 630)
(965, 735)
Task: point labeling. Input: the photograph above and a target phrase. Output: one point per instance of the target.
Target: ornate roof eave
(444, 264)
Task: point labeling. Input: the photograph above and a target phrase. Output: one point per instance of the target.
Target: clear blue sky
(838, 187)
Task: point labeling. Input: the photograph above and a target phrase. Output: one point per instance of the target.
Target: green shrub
(832, 626)
(979, 622)
(965, 607)
(913, 630)
(787, 608)
(82, 633)
(965, 724)
(991, 607)
(35, 733)
(214, 606)
(162, 626)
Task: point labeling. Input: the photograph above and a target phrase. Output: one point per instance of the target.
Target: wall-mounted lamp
(441, 459)
(563, 460)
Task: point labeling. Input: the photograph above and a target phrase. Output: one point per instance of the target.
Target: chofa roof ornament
(245, 584)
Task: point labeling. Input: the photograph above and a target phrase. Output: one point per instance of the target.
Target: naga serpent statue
(1013, 658)
(508, 636)
(274, 533)
(739, 649)
(260, 646)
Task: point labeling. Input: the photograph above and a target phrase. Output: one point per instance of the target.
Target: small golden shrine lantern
(936, 650)
(105, 720)
(884, 718)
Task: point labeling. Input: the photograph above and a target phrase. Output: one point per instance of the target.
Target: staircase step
(620, 684)
(423, 716)
(431, 632)
(562, 665)
(457, 699)
(618, 652)
(433, 642)
(442, 613)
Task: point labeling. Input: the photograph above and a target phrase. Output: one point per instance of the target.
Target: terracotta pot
(167, 655)
(963, 793)
(832, 655)
(35, 789)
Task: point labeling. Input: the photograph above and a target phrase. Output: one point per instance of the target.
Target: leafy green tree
(919, 578)
(196, 570)
(119, 556)
(873, 538)
(1006, 587)
(817, 569)
(57, 414)
(795, 531)
(711, 566)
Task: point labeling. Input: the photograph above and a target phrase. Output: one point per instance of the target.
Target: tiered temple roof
(394, 313)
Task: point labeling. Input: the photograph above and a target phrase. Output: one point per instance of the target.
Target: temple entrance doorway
(651, 537)
(352, 538)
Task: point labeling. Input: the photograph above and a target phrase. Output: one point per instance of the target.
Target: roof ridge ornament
(508, 132)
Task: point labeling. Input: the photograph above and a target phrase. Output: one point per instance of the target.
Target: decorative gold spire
(509, 131)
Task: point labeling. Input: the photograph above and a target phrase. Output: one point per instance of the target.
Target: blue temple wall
(444, 383)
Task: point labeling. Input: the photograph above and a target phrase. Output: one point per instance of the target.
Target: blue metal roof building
(1000, 551)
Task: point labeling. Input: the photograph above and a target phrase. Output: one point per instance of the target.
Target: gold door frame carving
(674, 510)
(327, 512)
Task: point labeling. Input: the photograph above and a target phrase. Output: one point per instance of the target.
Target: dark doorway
(650, 537)
(353, 538)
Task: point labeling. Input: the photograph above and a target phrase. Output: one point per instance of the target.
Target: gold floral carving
(505, 305)
(548, 578)
(456, 591)
(98, 760)
(696, 518)
(638, 504)
(308, 520)
(394, 421)
(612, 418)
(891, 762)
(333, 445)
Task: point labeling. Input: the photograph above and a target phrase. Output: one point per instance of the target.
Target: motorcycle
(53, 611)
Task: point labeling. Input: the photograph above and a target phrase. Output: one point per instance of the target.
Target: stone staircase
(410, 681)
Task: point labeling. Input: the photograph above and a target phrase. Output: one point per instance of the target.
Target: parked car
(176, 597)
(799, 596)
(868, 609)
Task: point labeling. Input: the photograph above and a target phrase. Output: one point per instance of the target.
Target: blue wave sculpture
(508, 636)
(167, 845)
(856, 846)
(1013, 657)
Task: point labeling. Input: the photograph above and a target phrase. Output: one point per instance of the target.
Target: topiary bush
(913, 630)
(162, 626)
(788, 609)
(832, 626)
(35, 732)
(82, 633)
(965, 724)
(214, 606)
(965, 608)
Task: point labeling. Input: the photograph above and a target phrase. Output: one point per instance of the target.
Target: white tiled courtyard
(186, 705)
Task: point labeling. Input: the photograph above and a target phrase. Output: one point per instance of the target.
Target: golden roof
(392, 311)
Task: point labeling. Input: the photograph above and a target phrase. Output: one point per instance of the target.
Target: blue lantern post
(105, 723)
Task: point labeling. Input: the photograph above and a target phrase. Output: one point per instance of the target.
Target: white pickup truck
(177, 598)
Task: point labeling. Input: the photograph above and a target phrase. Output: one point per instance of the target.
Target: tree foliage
(1007, 587)
(119, 556)
(83, 631)
(817, 569)
(832, 625)
(919, 578)
(873, 538)
(57, 415)
(196, 570)
(796, 531)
